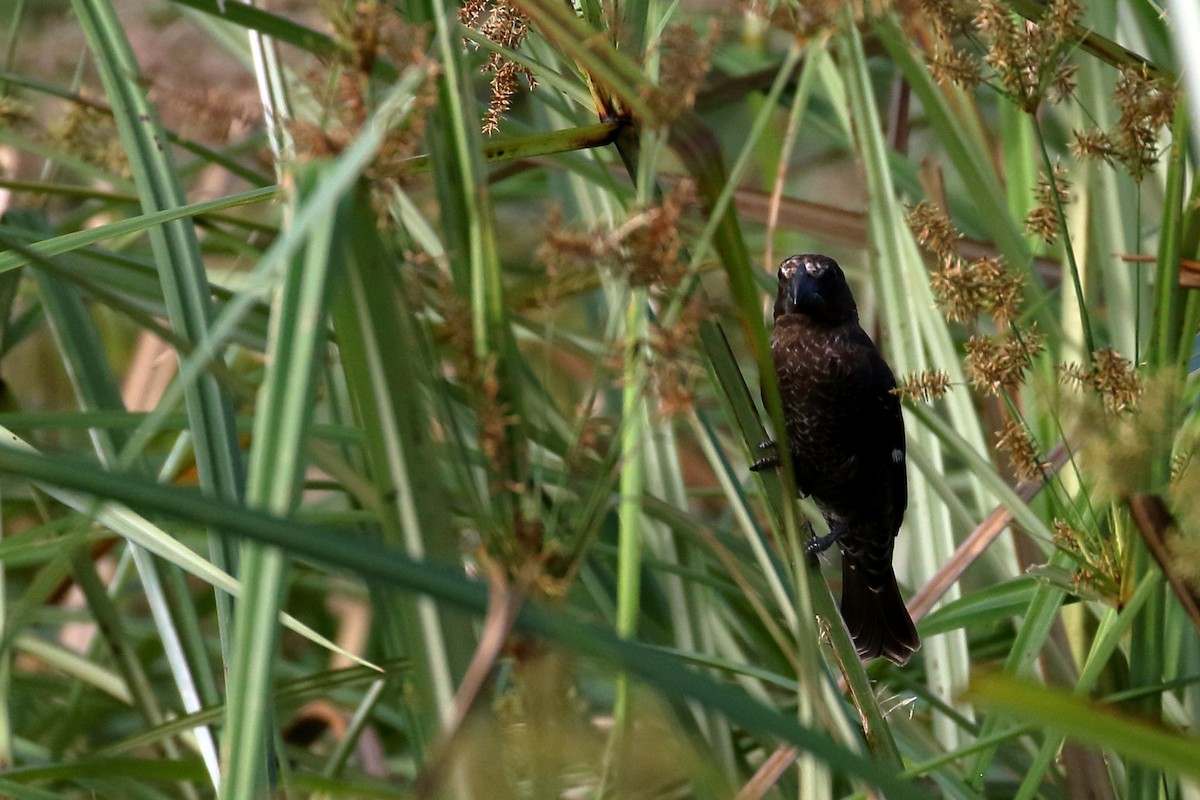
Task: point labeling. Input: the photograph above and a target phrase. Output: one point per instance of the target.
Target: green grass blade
(376, 562)
(629, 510)
(146, 222)
(181, 267)
(1164, 349)
(384, 361)
(136, 528)
(275, 479)
(1090, 723)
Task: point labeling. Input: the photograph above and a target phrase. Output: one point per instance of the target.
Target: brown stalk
(1189, 268)
(503, 605)
(769, 773)
(979, 540)
(1153, 521)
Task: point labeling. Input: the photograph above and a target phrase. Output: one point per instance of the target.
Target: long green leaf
(376, 562)
(181, 268)
(275, 480)
(1089, 722)
(148, 221)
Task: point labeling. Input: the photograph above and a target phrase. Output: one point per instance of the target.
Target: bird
(845, 435)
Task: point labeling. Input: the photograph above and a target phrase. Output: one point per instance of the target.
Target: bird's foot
(819, 544)
(766, 462)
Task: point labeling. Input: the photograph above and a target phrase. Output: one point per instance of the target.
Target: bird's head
(814, 286)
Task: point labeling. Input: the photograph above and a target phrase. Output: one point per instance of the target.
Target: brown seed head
(951, 65)
(922, 387)
(1022, 450)
(994, 364)
(933, 228)
(1111, 376)
(507, 26)
(1051, 193)
(1030, 59)
(684, 62)
(964, 290)
(91, 135)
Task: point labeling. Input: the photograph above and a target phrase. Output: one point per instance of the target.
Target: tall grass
(446, 491)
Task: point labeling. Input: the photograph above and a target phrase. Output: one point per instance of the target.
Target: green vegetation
(412, 460)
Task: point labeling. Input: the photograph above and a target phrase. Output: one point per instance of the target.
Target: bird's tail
(875, 614)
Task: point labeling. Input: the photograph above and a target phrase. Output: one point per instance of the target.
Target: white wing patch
(897, 455)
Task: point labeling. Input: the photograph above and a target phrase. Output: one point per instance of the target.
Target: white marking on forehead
(815, 268)
(897, 455)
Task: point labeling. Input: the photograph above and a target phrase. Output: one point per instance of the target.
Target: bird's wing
(883, 429)
(892, 425)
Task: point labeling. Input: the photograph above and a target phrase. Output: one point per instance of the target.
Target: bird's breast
(817, 365)
(824, 385)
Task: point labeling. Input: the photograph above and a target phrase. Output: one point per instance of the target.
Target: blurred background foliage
(379, 380)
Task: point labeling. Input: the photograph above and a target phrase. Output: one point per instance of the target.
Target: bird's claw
(819, 544)
(766, 462)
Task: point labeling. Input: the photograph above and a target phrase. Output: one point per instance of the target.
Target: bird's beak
(802, 291)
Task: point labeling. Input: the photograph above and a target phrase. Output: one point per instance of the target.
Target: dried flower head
(1111, 376)
(483, 382)
(1064, 535)
(647, 248)
(652, 245)
(91, 135)
(994, 364)
(922, 387)
(674, 371)
(563, 245)
(1096, 145)
(934, 230)
(804, 20)
(952, 65)
(564, 253)
(959, 290)
(1030, 59)
(948, 21)
(595, 434)
(1052, 192)
(364, 33)
(455, 329)
(494, 421)
(683, 64)
(210, 113)
(1147, 105)
(964, 290)
(949, 17)
(357, 31)
(507, 26)
(1017, 441)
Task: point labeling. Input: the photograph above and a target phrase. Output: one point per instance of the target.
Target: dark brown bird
(846, 438)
